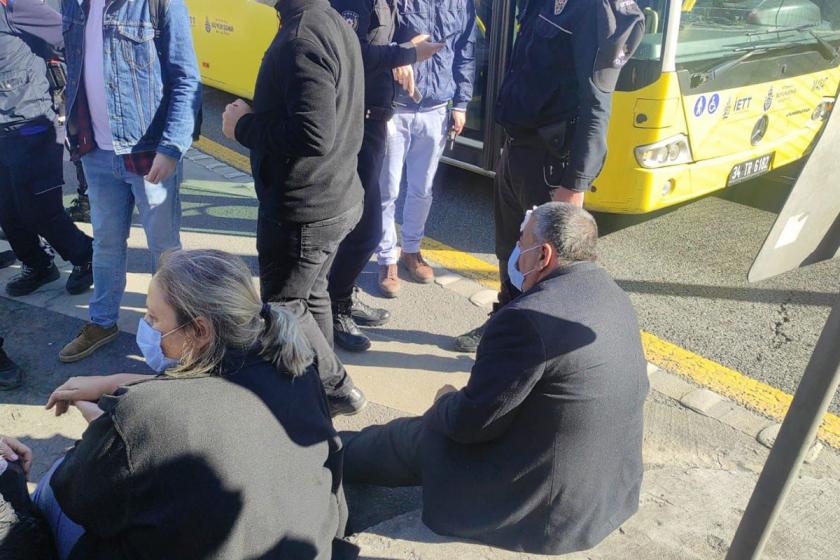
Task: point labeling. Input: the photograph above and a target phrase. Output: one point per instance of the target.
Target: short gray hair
(570, 229)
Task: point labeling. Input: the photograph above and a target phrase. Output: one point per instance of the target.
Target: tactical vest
(24, 89)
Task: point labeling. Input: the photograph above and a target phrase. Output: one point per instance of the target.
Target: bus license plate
(749, 169)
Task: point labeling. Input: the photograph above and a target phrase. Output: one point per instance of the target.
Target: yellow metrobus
(719, 91)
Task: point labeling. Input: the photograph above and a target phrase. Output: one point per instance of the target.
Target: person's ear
(547, 255)
(202, 332)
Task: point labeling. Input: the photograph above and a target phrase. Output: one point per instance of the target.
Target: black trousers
(356, 249)
(294, 261)
(386, 455)
(525, 175)
(31, 203)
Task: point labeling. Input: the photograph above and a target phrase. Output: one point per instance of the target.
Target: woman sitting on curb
(230, 454)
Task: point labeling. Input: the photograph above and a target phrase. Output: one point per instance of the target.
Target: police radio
(56, 75)
(451, 137)
(57, 79)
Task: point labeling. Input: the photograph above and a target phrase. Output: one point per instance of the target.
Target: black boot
(346, 333)
(365, 315)
(348, 405)
(80, 280)
(11, 376)
(7, 258)
(31, 279)
(468, 342)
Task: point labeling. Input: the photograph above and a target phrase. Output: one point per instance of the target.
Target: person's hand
(77, 389)
(404, 75)
(562, 194)
(425, 48)
(13, 450)
(163, 167)
(89, 410)
(459, 119)
(233, 112)
(445, 390)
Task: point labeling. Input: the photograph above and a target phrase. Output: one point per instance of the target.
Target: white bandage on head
(526, 219)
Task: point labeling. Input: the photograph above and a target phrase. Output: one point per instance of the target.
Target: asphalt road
(685, 268)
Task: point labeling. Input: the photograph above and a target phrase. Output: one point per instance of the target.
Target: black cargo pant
(31, 203)
(356, 249)
(294, 261)
(525, 175)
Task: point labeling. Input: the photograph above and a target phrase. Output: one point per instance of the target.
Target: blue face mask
(149, 339)
(518, 278)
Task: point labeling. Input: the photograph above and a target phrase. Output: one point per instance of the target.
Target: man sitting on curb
(542, 451)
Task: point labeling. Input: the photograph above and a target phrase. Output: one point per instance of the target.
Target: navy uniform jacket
(30, 32)
(375, 22)
(564, 67)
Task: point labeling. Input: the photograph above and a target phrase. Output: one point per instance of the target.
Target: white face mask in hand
(155, 193)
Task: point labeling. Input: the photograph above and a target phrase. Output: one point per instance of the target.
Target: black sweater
(306, 128)
(242, 466)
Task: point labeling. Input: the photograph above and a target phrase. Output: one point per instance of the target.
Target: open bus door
(477, 149)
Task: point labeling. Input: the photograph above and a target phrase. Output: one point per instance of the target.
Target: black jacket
(542, 451)
(230, 468)
(308, 120)
(564, 67)
(375, 23)
(30, 32)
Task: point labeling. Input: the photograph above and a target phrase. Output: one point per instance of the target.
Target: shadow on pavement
(760, 295)
(33, 340)
(402, 361)
(425, 338)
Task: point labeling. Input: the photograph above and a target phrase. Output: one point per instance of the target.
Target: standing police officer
(374, 21)
(555, 105)
(31, 150)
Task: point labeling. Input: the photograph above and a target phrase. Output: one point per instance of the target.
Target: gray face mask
(517, 278)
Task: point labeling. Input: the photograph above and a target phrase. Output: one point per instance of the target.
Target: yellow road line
(742, 389)
(462, 263)
(223, 153)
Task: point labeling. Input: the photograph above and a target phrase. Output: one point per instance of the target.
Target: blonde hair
(218, 286)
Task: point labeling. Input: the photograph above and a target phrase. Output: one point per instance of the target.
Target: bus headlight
(822, 111)
(670, 151)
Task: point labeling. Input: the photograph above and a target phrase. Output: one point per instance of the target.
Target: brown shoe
(389, 281)
(90, 339)
(417, 267)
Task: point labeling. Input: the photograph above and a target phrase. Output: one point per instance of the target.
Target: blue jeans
(64, 530)
(113, 192)
(415, 143)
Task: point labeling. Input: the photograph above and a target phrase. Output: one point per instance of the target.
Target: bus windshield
(719, 33)
(712, 32)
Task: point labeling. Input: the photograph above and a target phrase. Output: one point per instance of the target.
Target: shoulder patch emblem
(559, 5)
(352, 18)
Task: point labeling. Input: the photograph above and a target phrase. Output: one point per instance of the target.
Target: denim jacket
(154, 89)
(449, 74)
